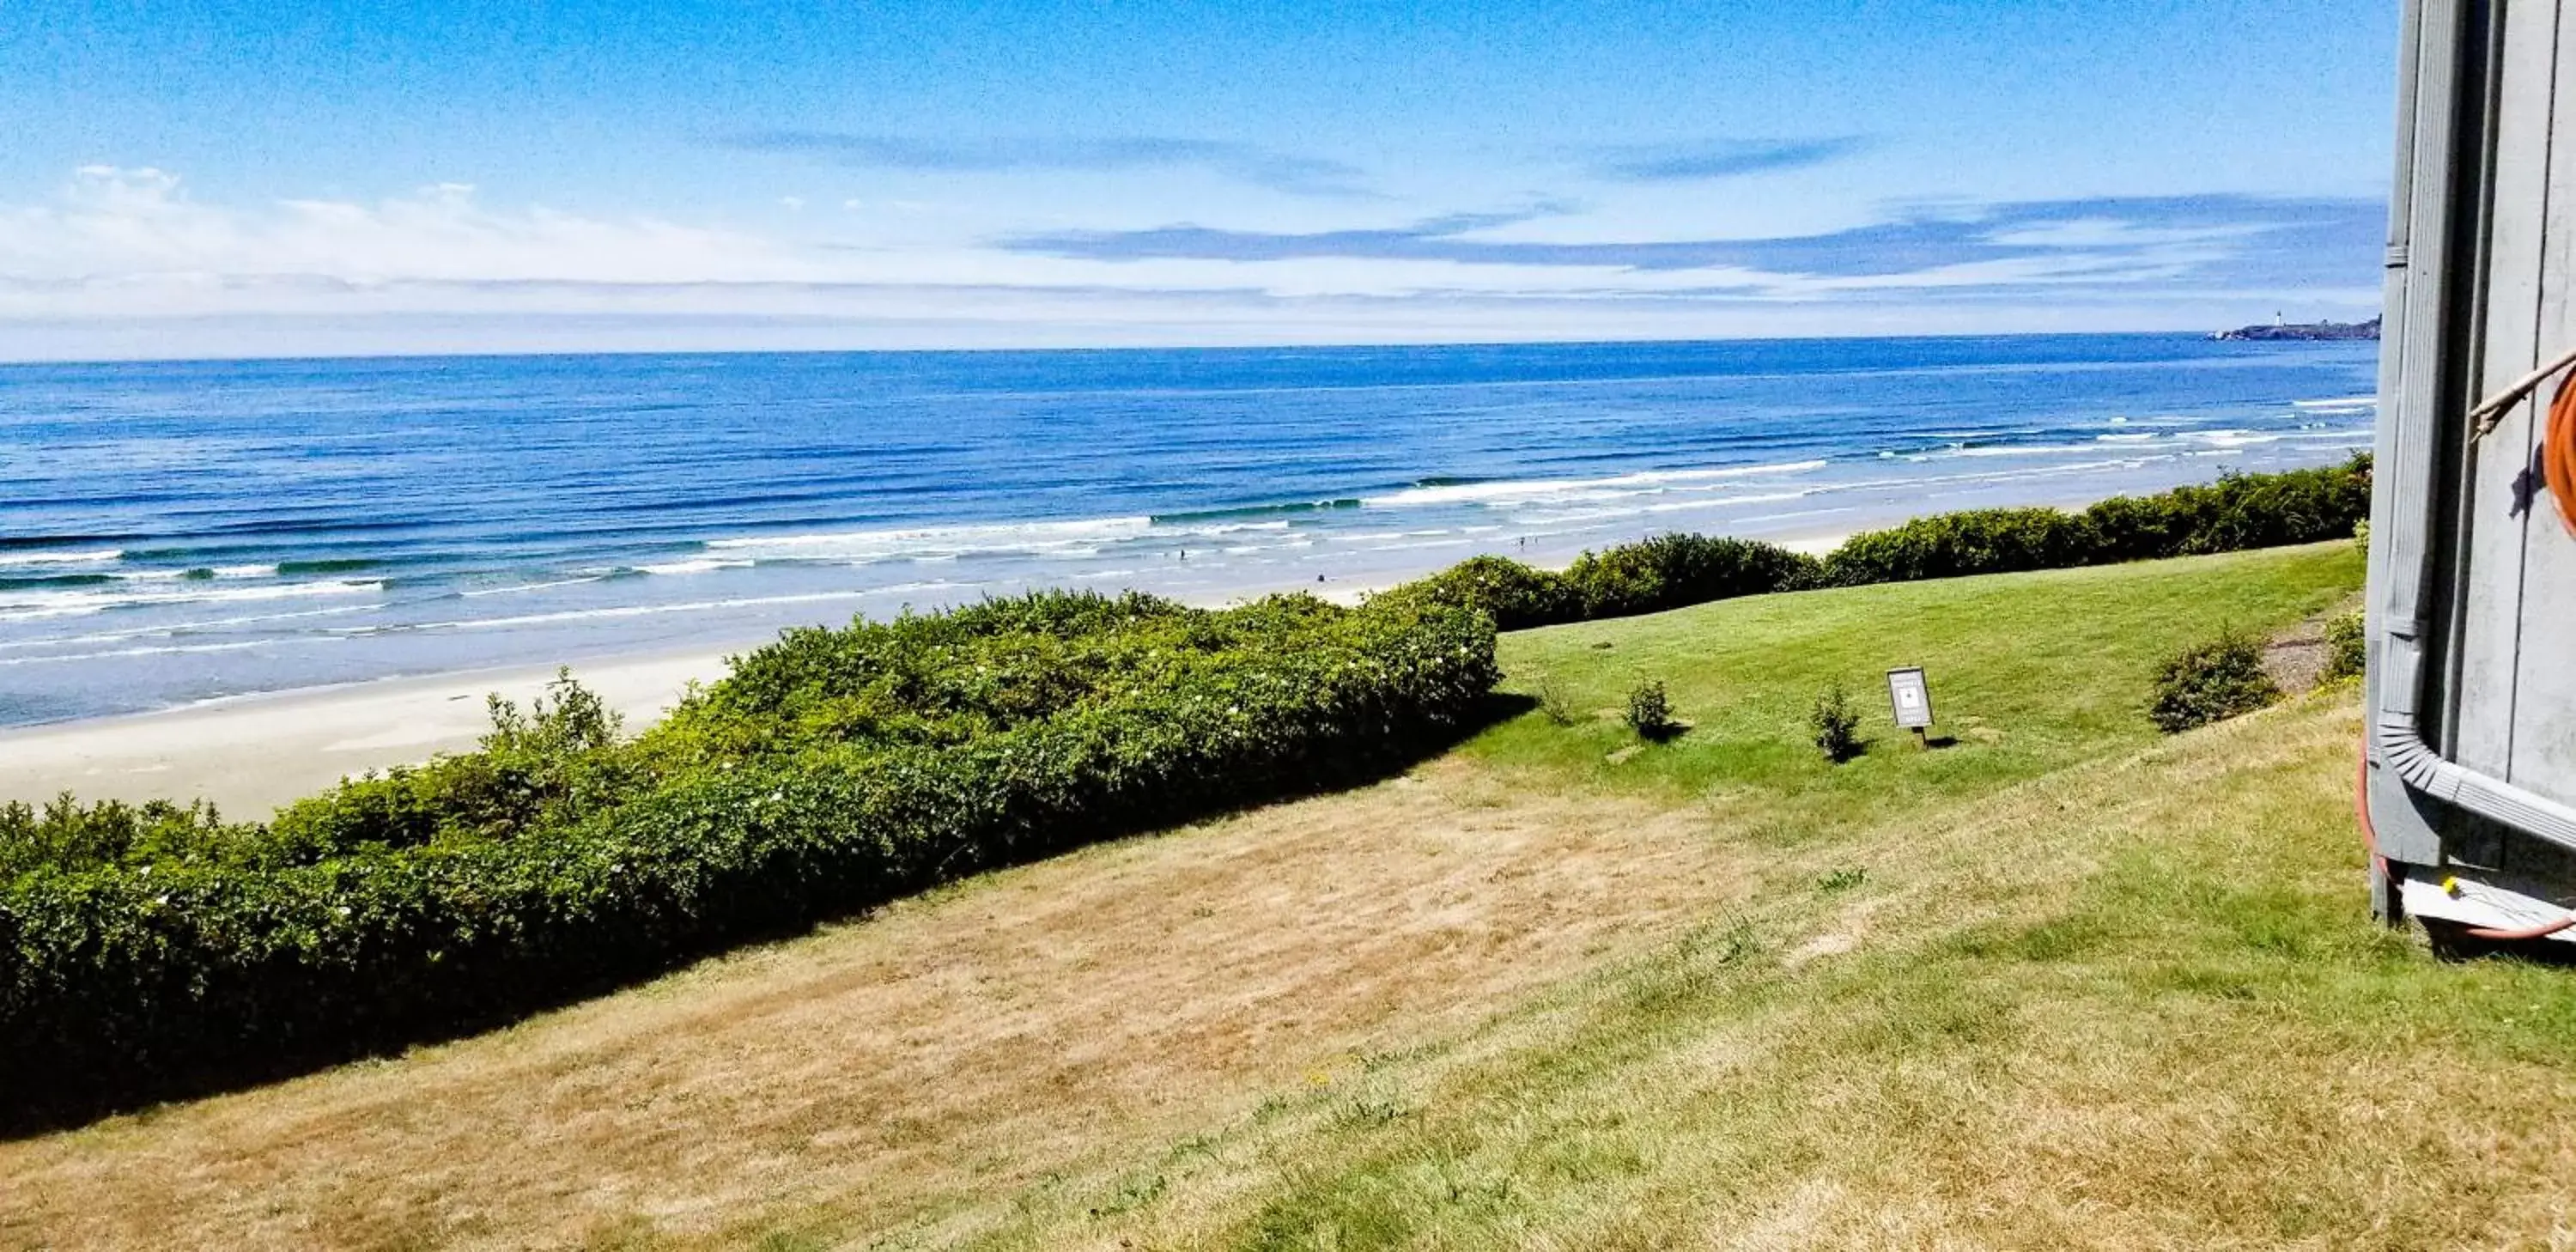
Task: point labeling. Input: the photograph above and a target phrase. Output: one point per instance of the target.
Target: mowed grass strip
(2131, 1005)
(2028, 673)
(2059, 984)
(907, 1072)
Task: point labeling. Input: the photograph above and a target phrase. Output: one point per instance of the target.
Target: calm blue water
(176, 532)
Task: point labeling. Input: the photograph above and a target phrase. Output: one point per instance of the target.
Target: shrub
(67, 834)
(553, 765)
(832, 771)
(146, 949)
(2239, 511)
(1650, 712)
(1950, 545)
(1514, 595)
(1836, 725)
(2346, 653)
(1664, 572)
(1669, 571)
(2211, 681)
(1554, 703)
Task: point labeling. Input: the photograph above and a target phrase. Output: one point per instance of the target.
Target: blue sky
(231, 178)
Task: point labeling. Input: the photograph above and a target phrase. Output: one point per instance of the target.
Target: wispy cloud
(1267, 167)
(2219, 238)
(121, 250)
(1429, 239)
(130, 226)
(1726, 158)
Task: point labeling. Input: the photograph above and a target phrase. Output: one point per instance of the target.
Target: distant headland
(2303, 331)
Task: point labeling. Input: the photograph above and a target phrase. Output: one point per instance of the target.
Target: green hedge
(1514, 595)
(2237, 512)
(1669, 571)
(833, 771)
(1664, 572)
(1951, 545)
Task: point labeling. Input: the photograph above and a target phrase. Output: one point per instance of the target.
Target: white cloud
(131, 226)
(121, 248)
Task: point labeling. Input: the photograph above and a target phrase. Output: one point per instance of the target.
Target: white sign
(1910, 697)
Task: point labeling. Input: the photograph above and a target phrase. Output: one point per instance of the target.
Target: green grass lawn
(2064, 983)
(2029, 673)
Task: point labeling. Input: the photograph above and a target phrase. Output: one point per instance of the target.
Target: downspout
(2398, 745)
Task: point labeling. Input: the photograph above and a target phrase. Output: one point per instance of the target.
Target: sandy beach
(251, 754)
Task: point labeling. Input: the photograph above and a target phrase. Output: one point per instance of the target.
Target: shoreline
(252, 753)
(255, 752)
(421, 565)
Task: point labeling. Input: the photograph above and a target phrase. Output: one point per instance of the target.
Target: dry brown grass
(2089, 1013)
(1456, 1012)
(889, 1073)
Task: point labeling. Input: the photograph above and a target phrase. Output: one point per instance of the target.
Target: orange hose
(2558, 452)
(2542, 931)
(2361, 806)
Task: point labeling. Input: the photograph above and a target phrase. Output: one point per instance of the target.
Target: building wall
(2512, 698)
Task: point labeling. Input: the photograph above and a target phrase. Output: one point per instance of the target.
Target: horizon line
(11, 362)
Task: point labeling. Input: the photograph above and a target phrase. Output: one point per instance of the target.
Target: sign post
(1911, 698)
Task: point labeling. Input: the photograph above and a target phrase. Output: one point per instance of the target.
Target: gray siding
(2472, 686)
(2512, 707)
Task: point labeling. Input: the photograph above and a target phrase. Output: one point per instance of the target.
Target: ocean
(179, 532)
